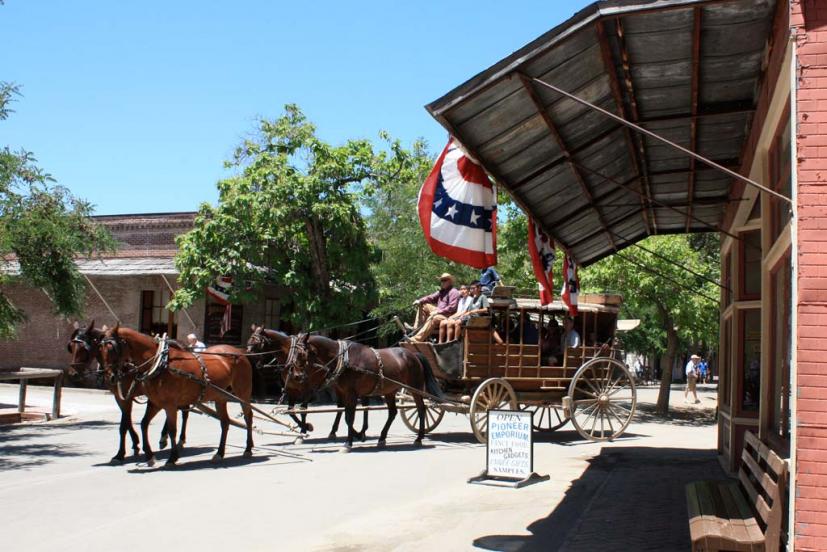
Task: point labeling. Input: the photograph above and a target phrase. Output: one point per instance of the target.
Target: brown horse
(263, 340)
(173, 378)
(84, 346)
(355, 370)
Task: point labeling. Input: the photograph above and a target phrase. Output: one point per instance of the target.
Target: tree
(43, 227)
(291, 216)
(671, 289)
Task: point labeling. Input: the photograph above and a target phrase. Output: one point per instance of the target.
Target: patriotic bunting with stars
(458, 210)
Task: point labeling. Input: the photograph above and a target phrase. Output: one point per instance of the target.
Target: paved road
(57, 490)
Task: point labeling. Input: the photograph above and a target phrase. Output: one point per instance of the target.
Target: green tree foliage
(406, 268)
(43, 228)
(677, 309)
(291, 216)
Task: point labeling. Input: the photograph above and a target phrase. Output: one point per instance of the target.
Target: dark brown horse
(84, 346)
(181, 379)
(355, 370)
(263, 340)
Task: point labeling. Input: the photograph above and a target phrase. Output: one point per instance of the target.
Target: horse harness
(160, 363)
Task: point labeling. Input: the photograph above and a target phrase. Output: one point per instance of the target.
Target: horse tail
(431, 383)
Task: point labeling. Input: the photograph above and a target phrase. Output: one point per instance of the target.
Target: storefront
(741, 83)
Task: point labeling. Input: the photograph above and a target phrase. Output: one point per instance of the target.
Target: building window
(155, 318)
(750, 280)
(272, 313)
(781, 301)
(780, 172)
(749, 361)
(215, 318)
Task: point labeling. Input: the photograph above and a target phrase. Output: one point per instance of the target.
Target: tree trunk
(318, 256)
(668, 361)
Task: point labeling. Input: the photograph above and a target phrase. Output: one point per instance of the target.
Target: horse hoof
(418, 443)
(150, 461)
(248, 453)
(170, 463)
(217, 458)
(308, 427)
(362, 436)
(116, 461)
(162, 444)
(381, 443)
(298, 440)
(332, 435)
(345, 449)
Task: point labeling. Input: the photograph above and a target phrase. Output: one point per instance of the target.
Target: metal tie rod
(651, 134)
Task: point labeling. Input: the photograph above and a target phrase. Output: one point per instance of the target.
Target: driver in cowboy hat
(435, 308)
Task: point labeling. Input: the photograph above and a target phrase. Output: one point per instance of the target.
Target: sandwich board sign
(509, 458)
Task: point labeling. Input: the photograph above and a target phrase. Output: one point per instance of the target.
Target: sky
(136, 105)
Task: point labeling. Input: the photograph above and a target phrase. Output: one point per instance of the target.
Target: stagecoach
(588, 385)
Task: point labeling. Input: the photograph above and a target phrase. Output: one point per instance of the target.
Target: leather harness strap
(381, 375)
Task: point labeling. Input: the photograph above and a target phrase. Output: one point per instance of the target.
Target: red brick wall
(42, 338)
(809, 21)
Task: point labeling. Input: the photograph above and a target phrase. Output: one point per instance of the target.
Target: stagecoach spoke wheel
(410, 415)
(547, 417)
(602, 399)
(492, 394)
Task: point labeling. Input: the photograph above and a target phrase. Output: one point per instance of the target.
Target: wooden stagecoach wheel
(410, 416)
(547, 417)
(601, 400)
(493, 393)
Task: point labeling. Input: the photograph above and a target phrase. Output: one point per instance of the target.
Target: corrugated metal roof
(113, 267)
(591, 183)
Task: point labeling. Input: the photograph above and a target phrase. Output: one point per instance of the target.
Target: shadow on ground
(19, 448)
(646, 413)
(629, 498)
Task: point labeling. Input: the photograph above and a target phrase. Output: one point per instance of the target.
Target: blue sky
(135, 106)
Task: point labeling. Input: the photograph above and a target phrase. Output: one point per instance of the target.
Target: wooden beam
(584, 187)
(693, 125)
(562, 159)
(609, 67)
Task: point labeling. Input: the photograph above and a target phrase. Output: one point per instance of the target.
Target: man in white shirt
(194, 345)
(691, 378)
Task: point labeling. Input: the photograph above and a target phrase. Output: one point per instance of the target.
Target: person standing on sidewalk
(692, 378)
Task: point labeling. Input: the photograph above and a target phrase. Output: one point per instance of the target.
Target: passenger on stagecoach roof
(489, 278)
(194, 345)
(570, 338)
(435, 308)
(465, 300)
(450, 329)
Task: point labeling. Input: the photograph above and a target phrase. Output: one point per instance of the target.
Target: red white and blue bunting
(458, 210)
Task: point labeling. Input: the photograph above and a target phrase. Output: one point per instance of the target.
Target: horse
(263, 341)
(84, 346)
(173, 377)
(355, 370)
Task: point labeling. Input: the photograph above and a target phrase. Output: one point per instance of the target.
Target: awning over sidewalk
(131, 266)
(688, 70)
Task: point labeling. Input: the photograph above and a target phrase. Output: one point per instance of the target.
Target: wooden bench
(746, 514)
(24, 375)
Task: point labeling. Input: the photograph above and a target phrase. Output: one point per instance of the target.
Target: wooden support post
(21, 397)
(58, 393)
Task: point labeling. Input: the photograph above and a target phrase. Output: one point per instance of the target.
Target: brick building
(742, 83)
(135, 283)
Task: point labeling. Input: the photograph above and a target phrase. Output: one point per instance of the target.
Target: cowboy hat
(446, 276)
(695, 357)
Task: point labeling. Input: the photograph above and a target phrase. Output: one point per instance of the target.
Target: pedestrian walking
(692, 378)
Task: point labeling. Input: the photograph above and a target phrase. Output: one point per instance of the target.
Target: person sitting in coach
(435, 308)
(478, 307)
